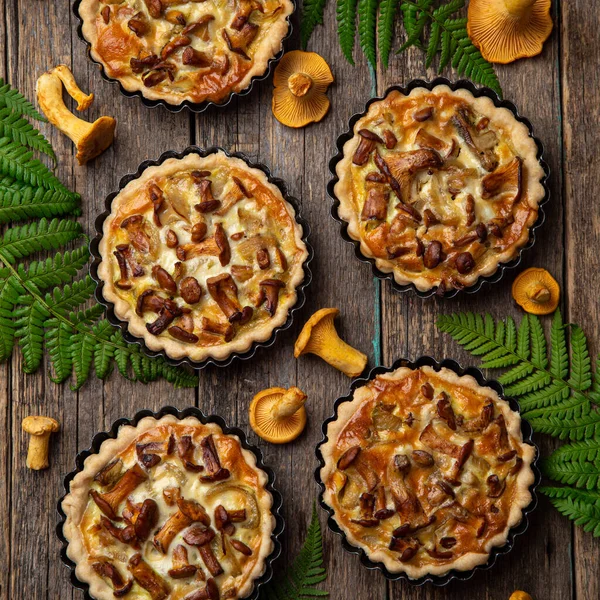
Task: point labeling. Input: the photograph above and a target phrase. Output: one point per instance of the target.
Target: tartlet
(169, 508)
(426, 472)
(182, 51)
(439, 187)
(201, 256)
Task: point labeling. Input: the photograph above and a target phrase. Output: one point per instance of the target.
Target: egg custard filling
(170, 509)
(202, 256)
(426, 471)
(439, 187)
(178, 50)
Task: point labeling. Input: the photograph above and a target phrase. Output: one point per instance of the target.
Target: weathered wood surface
(557, 91)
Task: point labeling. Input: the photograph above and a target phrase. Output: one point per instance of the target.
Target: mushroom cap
(506, 30)
(536, 291)
(96, 140)
(300, 84)
(326, 315)
(276, 431)
(39, 425)
(519, 595)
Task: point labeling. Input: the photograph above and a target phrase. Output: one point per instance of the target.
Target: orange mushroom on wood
(519, 595)
(536, 291)
(278, 415)
(506, 30)
(300, 84)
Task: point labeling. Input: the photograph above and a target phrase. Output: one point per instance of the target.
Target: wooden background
(558, 92)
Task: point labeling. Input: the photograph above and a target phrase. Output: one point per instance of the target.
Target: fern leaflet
(17, 103)
(367, 26)
(387, 16)
(346, 19)
(312, 15)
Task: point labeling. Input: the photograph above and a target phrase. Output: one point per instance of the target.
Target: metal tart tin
(124, 325)
(405, 90)
(497, 551)
(196, 107)
(94, 448)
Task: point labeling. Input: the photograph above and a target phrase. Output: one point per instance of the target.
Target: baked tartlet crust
(354, 426)
(271, 219)
(221, 71)
(394, 239)
(81, 512)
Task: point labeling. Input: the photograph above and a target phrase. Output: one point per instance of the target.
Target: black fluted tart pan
(496, 551)
(123, 325)
(429, 85)
(101, 437)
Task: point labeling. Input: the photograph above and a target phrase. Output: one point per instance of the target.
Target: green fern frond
(581, 367)
(30, 321)
(387, 17)
(367, 27)
(346, 19)
(312, 15)
(577, 463)
(54, 270)
(581, 507)
(416, 19)
(58, 337)
(18, 129)
(559, 363)
(306, 571)
(26, 202)
(17, 103)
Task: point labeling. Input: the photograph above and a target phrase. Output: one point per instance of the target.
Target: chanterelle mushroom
(519, 595)
(39, 428)
(536, 291)
(91, 139)
(278, 415)
(505, 30)
(299, 88)
(319, 337)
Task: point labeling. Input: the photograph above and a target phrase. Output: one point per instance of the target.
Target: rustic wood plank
(579, 60)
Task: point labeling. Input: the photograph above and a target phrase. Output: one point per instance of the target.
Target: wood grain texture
(545, 88)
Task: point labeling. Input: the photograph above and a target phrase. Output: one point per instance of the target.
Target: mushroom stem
(539, 293)
(342, 356)
(519, 8)
(300, 84)
(37, 453)
(84, 101)
(289, 404)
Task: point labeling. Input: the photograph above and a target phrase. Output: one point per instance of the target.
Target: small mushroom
(536, 291)
(506, 178)
(519, 595)
(210, 592)
(223, 291)
(105, 568)
(181, 566)
(147, 578)
(319, 336)
(278, 415)
(109, 502)
(91, 139)
(300, 84)
(39, 428)
(506, 30)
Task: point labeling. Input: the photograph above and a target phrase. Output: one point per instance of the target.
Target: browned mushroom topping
(486, 156)
(198, 232)
(445, 411)
(390, 139)
(139, 65)
(109, 474)
(376, 205)
(195, 58)
(171, 495)
(105, 13)
(241, 187)
(185, 451)
(262, 258)
(207, 206)
(182, 335)
(507, 456)
(147, 578)
(199, 27)
(482, 421)
(441, 555)
(164, 279)
(423, 139)
(147, 300)
(181, 253)
(430, 437)
(448, 542)
(404, 165)
(210, 592)
(223, 291)
(517, 466)
(177, 522)
(348, 458)
(365, 522)
(216, 328)
(146, 520)
(385, 171)
(375, 177)
(138, 25)
(125, 535)
(238, 41)
(176, 17)
(154, 8)
(465, 263)
(181, 567)
(281, 259)
(429, 218)
(422, 458)
(104, 568)
(271, 288)
(177, 42)
(215, 472)
(495, 486)
(412, 212)
(402, 463)
(109, 502)
(190, 290)
(504, 179)
(146, 453)
(223, 245)
(423, 114)
(138, 237)
(470, 210)
(210, 560)
(370, 135)
(495, 229)
(241, 272)
(123, 282)
(406, 547)
(427, 391)
(499, 433)
(433, 255)
(363, 151)
(381, 511)
(166, 315)
(222, 521)
(241, 547)
(245, 9)
(481, 231)
(193, 511)
(157, 197)
(366, 504)
(466, 239)
(171, 239)
(198, 535)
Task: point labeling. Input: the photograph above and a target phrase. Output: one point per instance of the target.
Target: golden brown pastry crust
(263, 242)
(213, 73)
(89, 543)
(439, 187)
(452, 514)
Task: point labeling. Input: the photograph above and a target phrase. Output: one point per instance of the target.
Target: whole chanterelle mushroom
(320, 337)
(519, 595)
(91, 139)
(39, 428)
(536, 291)
(278, 415)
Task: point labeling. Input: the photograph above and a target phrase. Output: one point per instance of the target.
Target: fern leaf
(346, 19)
(539, 356)
(387, 17)
(58, 343)
(25, 202)
(559, 361)
(409, 18)
(25, 240)
(9, 298)
(523, 343)
(312, 15)
(435, 37)
(535, 381)
(568, 429)
(29, 331)
(54, 271)
(82, 353)
(17, 103)
(516, 373)
(550, 395)
(19, 130)
(417, 25)
(582, 508)
(103, 352)
(17, 162)
(581, 370)
(575, 464)
(367, 27)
